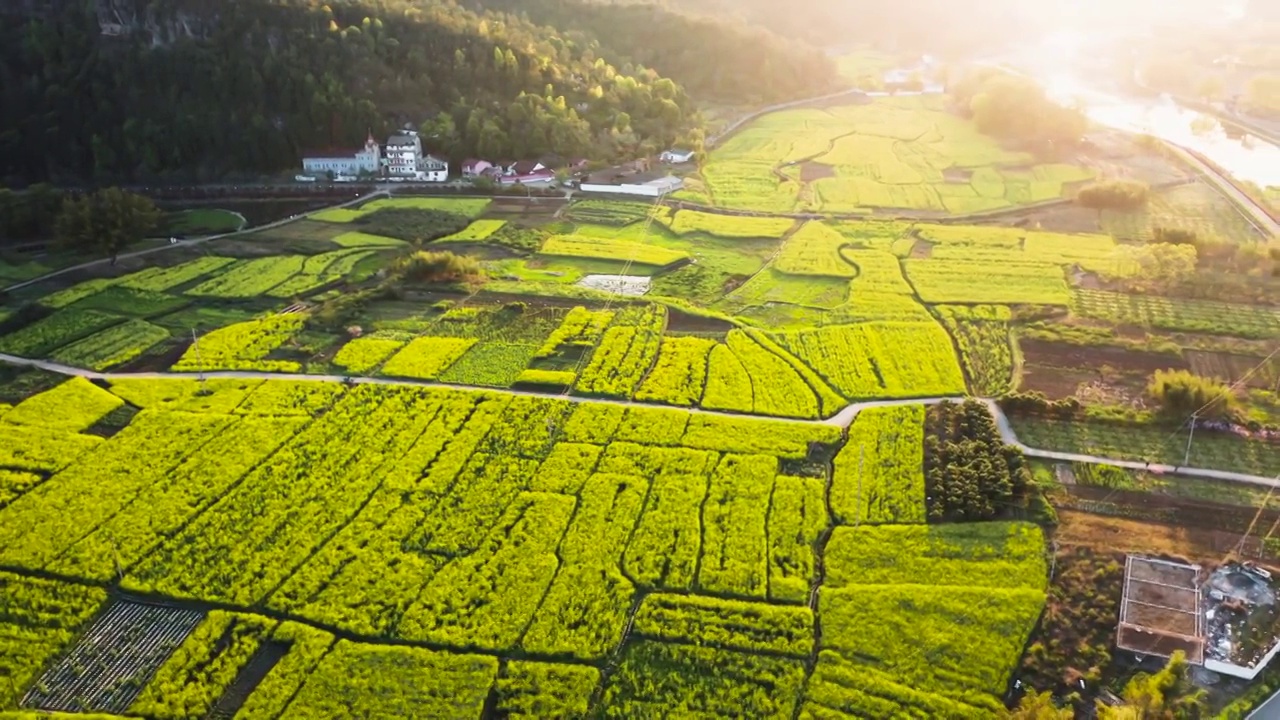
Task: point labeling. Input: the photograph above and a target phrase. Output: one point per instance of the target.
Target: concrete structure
(540, 175)
(404, 154)
(1160, 609)
(640, 185)
(366, 161)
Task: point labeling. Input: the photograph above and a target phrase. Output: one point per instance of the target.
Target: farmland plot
(890, 153)
(866, 360)
(879, 475)
(525, 540)
(982, 334)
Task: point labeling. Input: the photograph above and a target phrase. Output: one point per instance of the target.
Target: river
(1059, 62)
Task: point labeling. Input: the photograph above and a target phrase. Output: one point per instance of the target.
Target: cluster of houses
(510, 172)
(403, 160)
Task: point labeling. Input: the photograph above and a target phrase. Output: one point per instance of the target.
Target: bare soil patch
(811, 171)
(957, 175)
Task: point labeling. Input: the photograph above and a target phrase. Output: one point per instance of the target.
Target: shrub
(438, 267)
(413, 225)
(1114, 195)
(1181, 392)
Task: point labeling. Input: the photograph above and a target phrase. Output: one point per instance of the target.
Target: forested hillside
(201, 91)
(718, 58)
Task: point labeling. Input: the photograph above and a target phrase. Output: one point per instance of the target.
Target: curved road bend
(192, 241)
(841, 419)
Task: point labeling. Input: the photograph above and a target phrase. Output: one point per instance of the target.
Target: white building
(638, 186)
(345, 161)
(404, 154)
(433, 169)
(676, 157)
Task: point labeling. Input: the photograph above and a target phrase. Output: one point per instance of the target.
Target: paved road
(841, 419)
(190, 242)
(1258, 215)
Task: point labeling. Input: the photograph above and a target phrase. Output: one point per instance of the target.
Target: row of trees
(202, 91)
(969, 473)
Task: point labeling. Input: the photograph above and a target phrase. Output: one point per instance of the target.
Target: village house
(366, 161)
(404, 155)
(677, 157)
(473, 167)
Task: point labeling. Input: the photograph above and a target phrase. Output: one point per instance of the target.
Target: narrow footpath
(191, 242)
(842, 419)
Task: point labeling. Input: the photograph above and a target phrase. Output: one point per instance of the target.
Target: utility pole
(195, 343)
(1186, 460)
(861, 455)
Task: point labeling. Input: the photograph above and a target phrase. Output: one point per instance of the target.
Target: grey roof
(403, 140)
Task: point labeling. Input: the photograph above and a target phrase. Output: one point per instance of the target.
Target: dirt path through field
(842, 419)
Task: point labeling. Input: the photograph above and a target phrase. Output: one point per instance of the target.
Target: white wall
(644, 190)
(1247, 673)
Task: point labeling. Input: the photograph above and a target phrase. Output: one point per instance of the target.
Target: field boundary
(842, 419)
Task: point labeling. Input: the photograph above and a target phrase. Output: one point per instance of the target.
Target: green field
(351, 485)
(471, 548)
(907, 153)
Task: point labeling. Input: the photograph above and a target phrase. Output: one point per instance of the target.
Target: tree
(1158, 264)
(1038, 706)
(1181, 393)
(1123, 195)
(1165, 695)
(106, 222)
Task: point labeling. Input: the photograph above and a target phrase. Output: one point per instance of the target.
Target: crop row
(687, 222)
(363, 355)
(982, 334)
(366, 576)
(13, 483)
(944, 280)
(243, 346)
(624, 355)
(1177, 313)
(814, 250)
(492, 364)
(42, 524)
(870, 360)
(40, 620)
(425, 357)
(597, 248)
(477, 231)
(298, 497)
(879, 474)
(197, 673)
(608, 212)
(581, 328)
(62, 327)
(113, 346)
(727, 624)
(280, 276)
(681, 371)
(71, 406)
